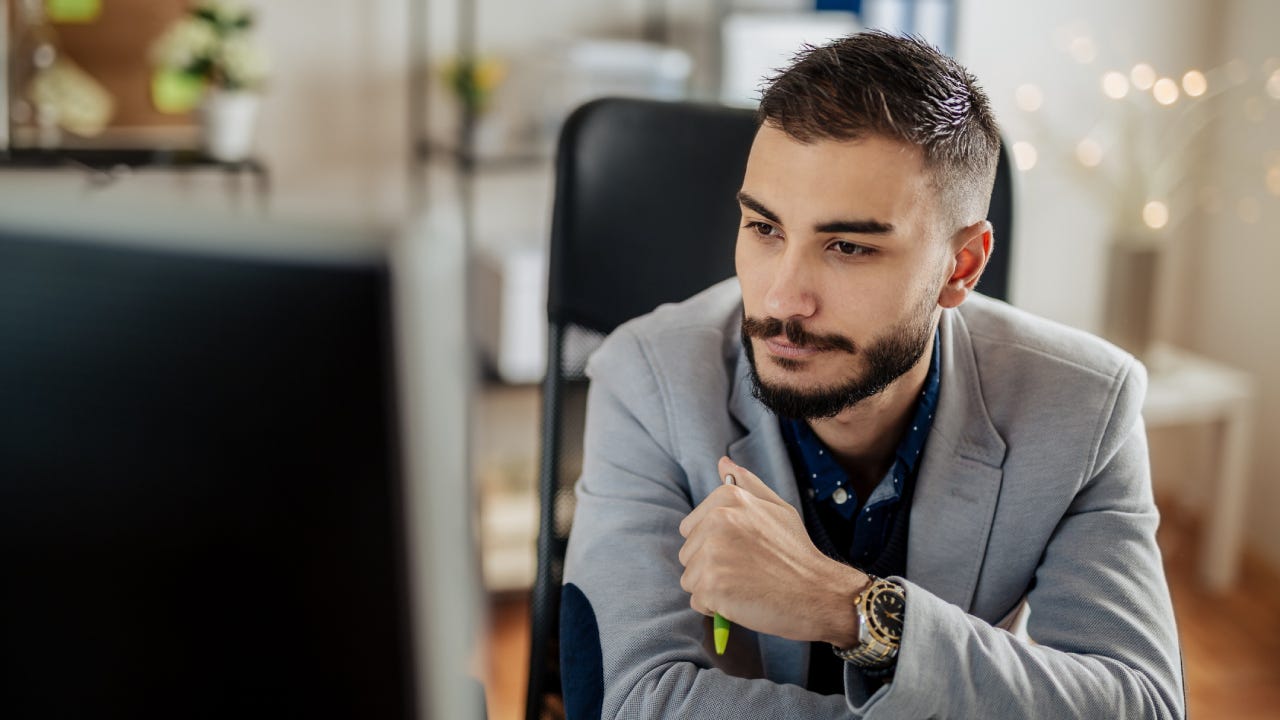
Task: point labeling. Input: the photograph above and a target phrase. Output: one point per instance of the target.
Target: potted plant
(208, 55)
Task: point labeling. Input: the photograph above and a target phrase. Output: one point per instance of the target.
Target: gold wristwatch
(881, 607)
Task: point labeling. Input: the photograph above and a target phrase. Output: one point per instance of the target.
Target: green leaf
(72, 11)
(174, 92)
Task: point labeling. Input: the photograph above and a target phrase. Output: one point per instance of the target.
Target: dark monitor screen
(200, 512)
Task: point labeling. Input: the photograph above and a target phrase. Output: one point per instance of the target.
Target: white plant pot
(228, 119)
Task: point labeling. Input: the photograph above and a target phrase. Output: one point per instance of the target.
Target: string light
(1165, 91)
(1143, 76)
(1089, 152)
(1155, 214)
(1024, 155)
(1115, 85)
(1029, 97)
(1082, 50)
(1194, 83)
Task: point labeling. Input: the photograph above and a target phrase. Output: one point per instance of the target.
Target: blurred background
(1145, 136)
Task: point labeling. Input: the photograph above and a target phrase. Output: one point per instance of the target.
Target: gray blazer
(1034, 493)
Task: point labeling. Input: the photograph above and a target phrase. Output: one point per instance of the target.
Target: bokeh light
(1089, 152)
(1143, 76)
(1194, 83)
(1029, 97)
(1024, 155)
(1165, 91)
(1115, 85)
(1082, 50)
(1155, 214)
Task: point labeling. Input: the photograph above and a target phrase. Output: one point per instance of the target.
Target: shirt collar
(820, 471)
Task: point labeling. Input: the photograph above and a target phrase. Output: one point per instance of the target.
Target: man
(910, 501)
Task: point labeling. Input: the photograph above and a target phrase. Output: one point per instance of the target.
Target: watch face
(887, 606)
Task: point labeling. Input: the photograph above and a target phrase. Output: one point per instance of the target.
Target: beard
(887, 358)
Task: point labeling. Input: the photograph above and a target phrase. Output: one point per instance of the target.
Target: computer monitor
(202, 508)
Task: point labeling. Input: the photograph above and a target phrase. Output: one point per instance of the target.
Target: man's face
(841, 261)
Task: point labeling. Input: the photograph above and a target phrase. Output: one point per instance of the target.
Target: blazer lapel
(955, 495)
(959, 481)
(763, 452)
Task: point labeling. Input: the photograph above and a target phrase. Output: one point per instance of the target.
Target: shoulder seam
(1106, 416)
(664, 396)
(1042, 353)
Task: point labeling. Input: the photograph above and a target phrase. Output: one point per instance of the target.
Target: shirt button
(840, 496)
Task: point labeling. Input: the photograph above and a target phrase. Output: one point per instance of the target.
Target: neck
(863, 438)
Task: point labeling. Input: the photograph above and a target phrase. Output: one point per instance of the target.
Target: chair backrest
(645, 213)
(638, 184)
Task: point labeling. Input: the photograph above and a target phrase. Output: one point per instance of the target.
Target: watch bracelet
(875, 660)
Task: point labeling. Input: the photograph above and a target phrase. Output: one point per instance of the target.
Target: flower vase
(228, 119)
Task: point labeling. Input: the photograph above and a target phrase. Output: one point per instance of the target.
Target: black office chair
(645, 213)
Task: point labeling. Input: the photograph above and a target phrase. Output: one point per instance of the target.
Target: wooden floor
(1230, 643)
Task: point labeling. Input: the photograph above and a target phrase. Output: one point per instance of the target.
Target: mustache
(796, 334)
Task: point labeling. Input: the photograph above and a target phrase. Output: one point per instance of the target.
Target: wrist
(838, 613)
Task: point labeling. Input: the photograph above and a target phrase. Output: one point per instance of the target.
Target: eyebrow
(859, 227)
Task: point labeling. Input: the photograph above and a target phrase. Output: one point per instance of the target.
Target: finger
(748, 480)
(692, 545)
(720, 497)
(699, 607)
(689, 579)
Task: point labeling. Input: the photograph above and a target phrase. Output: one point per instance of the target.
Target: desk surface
(1185, 388)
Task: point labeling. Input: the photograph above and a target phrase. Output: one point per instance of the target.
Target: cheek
(748, 267)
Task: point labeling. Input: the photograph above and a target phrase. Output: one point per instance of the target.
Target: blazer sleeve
(631, 647)
(1103, 638)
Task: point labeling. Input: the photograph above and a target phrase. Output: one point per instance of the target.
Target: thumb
(746, 480)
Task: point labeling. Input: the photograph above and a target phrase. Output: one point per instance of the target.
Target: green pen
(721, 633)
(720, 626)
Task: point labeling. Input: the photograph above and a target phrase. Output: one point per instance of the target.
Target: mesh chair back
(645, 213)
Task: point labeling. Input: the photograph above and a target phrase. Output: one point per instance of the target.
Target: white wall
(1224, 302)
(335, 123)
(1062, 227)
(1234, 299)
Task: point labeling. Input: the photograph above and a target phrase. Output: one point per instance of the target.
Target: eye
(762, 229)
(844, 247)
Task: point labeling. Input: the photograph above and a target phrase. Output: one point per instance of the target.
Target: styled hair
(900, 88)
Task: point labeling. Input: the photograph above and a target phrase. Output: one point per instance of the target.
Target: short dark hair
(900, 88)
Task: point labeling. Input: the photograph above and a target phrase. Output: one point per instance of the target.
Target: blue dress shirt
(860, 539)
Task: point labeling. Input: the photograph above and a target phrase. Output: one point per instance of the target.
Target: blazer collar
(762, 451)
(959, 481)
(956, 488)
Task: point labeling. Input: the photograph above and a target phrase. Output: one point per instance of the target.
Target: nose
(791, 293)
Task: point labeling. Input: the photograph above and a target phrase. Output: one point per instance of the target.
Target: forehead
(871, 178)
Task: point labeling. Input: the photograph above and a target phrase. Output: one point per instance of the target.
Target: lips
(786, 350)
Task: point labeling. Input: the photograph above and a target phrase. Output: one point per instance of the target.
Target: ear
(972, 249)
